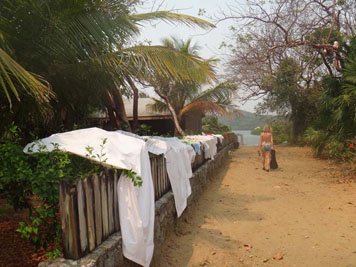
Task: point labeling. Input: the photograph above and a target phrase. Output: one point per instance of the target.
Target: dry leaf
(247, 247)
(278, 257)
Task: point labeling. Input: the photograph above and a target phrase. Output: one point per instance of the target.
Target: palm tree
(82, 48)
(13, 77)
(183, 96)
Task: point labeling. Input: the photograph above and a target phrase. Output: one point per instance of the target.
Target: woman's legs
(263, 158)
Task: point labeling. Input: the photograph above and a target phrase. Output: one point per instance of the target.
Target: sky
(209, 40)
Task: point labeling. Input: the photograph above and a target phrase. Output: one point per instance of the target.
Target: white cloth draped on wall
(179, 169)
(136, 204)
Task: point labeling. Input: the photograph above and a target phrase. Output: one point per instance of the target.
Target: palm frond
(206, 107)
(171, 17)
(158, 105)
(14, 79)
(150, 61)
(221, 94)
(88, 35)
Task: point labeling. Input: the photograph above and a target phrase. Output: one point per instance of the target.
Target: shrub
(257, 131)
(212, 125)
(317, 139)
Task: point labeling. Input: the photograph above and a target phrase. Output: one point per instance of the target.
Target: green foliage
(280, 131)
(136, 180)
(145, 130)
(257, 131)
(316, 139)
(212, 125)
(287, 97)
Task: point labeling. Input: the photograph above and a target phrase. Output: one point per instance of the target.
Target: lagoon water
(248, 138)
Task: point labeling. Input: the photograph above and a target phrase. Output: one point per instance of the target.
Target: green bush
(213, 126)
(280, 130)
(316, 139)
(257, 131)
(31, 182)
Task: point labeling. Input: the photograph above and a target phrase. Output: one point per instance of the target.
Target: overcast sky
(209, 41)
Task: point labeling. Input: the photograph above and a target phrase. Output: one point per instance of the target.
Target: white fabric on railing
(178, 165)
(208, 142)
(136, 204)
(220, 137)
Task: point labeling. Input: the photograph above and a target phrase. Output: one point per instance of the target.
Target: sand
(303, 214)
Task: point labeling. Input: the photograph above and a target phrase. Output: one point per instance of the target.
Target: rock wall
(109, 253)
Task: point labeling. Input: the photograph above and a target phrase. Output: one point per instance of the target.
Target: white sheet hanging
(209, 143)
(179, 168)
(136, 203)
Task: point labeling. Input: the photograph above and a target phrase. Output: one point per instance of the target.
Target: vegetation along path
(303, 214)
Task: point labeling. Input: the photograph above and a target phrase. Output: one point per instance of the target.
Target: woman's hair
(267, 129)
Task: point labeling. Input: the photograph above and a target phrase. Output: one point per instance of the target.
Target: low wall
(109, 253)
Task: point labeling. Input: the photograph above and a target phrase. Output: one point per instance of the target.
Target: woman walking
(265, 145)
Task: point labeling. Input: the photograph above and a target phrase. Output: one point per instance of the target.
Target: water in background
(248, 138)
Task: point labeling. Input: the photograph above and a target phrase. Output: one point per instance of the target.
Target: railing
(89, 209)
(89, 213)
(159, 175)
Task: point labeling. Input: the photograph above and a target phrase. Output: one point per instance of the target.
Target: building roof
(144, 111)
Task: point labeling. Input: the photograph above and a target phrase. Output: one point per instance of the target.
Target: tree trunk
(135, 104)
(173, 113)
(120, 108)
(109, 104)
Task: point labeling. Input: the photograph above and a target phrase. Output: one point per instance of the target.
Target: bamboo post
(97, 211)
(104, 206)
(116, 203)
(82, 217)
(88, 189)
(110, 180)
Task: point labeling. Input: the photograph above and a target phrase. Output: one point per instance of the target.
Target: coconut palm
(184, 96)
(84, 50)
(14, 79)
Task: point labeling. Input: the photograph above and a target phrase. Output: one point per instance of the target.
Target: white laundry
(220, 137)
(136, 204)
(209, 143)
(179, 167)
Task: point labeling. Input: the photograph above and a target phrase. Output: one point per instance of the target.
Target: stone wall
(109, 253)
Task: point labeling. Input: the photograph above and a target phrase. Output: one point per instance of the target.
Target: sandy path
(247, 216)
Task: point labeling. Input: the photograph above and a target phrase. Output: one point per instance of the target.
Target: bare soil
(14, 250)
(302, 214)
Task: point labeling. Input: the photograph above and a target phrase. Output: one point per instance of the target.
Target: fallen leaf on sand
(278, 257)
(265, 260)
(247, 247)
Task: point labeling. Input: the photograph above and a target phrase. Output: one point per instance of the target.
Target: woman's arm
(272, 146)
(260, 143)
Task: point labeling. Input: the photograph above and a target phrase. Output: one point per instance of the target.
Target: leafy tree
(287, 96)
(212, 125)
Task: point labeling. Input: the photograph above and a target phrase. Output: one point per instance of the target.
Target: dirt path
(302, 212)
